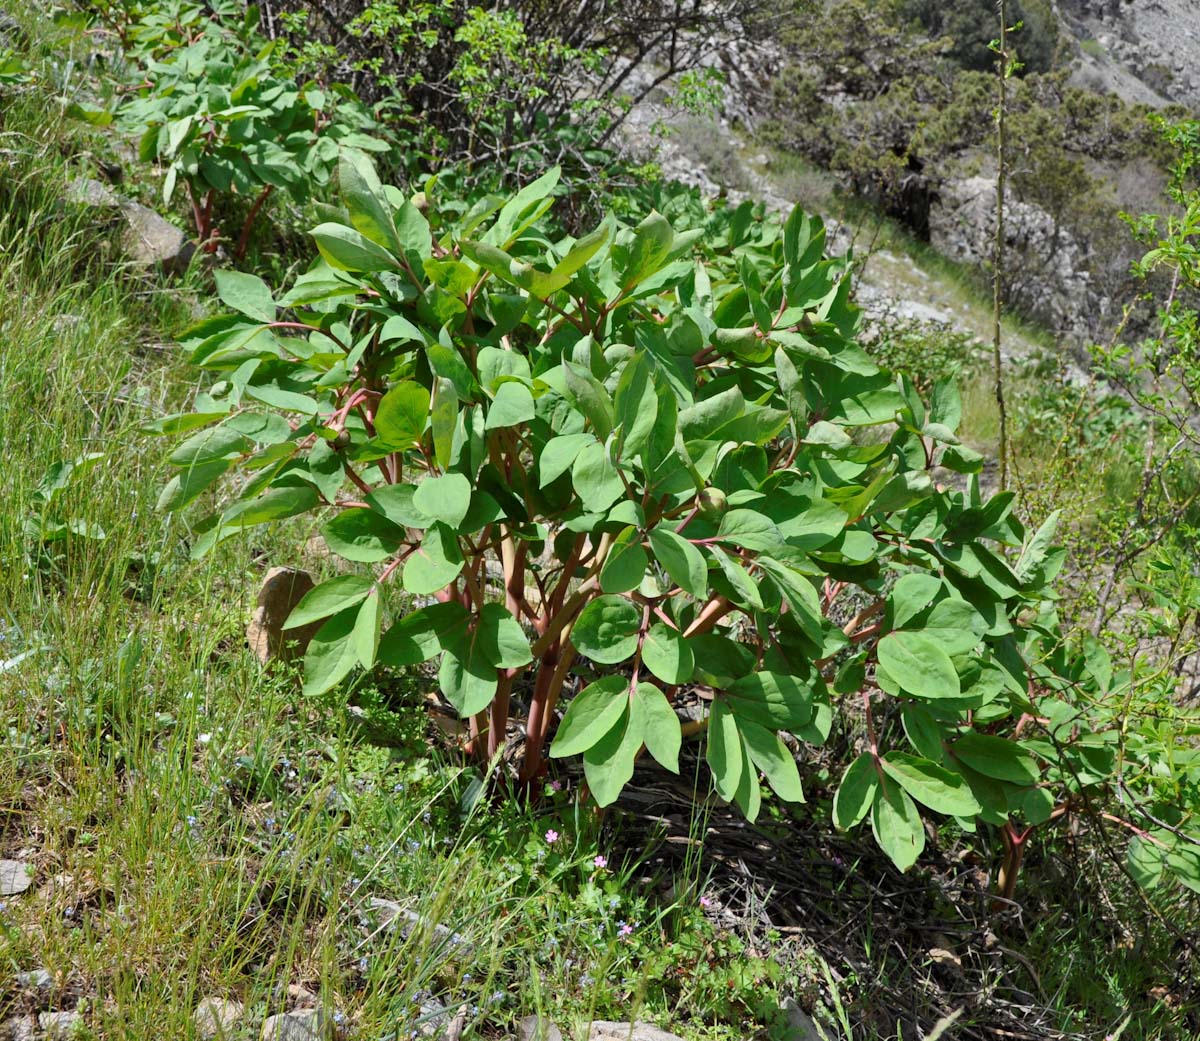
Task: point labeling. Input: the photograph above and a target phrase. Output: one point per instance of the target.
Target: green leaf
(911, 595)
(559, 454)
(421, 635)
(512, 406)
(996, 757)
(245, 293)
(209, 445)
(362, 535)
(331, 654)
(401, 416)
(652, 245)
(363, 194)
(626, 563)
(365, 636)
(897, 826)
(747, 529)
(501, 639)
(661, 731)
(466, 677)
(396, 503)
(939, 789)
(186, 485)
(946, 405)
(635, 406)
(681, 560)
(856, 793)
(589, 396)
(775, 700)
(725, 755)
(596, 478)
(348, 250)
(445, 498)
(276, 504)
(920, 666)
(772, 757)
(1036, 805)
(667, 655)
(435, 563)
(607, 630)
(328, 599)
(924, 732)
(591, 714)
(444, 419)
(1145, 859)
(608, 764)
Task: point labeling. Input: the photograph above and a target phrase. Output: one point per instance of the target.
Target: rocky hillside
(1145, 51)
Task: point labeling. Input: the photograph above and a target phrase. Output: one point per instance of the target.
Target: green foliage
(971, 25)
(215, 112)
(628, 456)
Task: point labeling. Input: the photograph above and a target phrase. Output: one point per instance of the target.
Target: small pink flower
(625, 930)
(600, 861)
(551, 837)
(705, 903)
(556, 786)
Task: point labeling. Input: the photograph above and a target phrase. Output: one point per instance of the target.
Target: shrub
(216, 112)
(622, 464)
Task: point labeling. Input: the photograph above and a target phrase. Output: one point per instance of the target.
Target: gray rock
(603, 1030)
(1046, 269)
(534, 1028)
(306, 1024)
(434, 1019)
(152, 240)
(216, 1018)
(35, 979)
(59, 1024)
(393, 916)
(15, 877)
(800, 1024)
(148, 239)
(19, 1028)
(282, 589)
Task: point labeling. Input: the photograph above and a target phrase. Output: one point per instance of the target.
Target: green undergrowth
(193, 826)
(196, 828)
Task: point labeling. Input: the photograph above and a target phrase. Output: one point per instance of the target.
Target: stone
(19, 1028)
(534, 1028)
(604, 1030)
(306, 1024)
(35, 979)
(393, 916)
(433, 1020)
(148, 239)
(216, 1018)
(15, 877)
(800, 1024)
(300, 997)
(282, 589)
(59, 1024)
